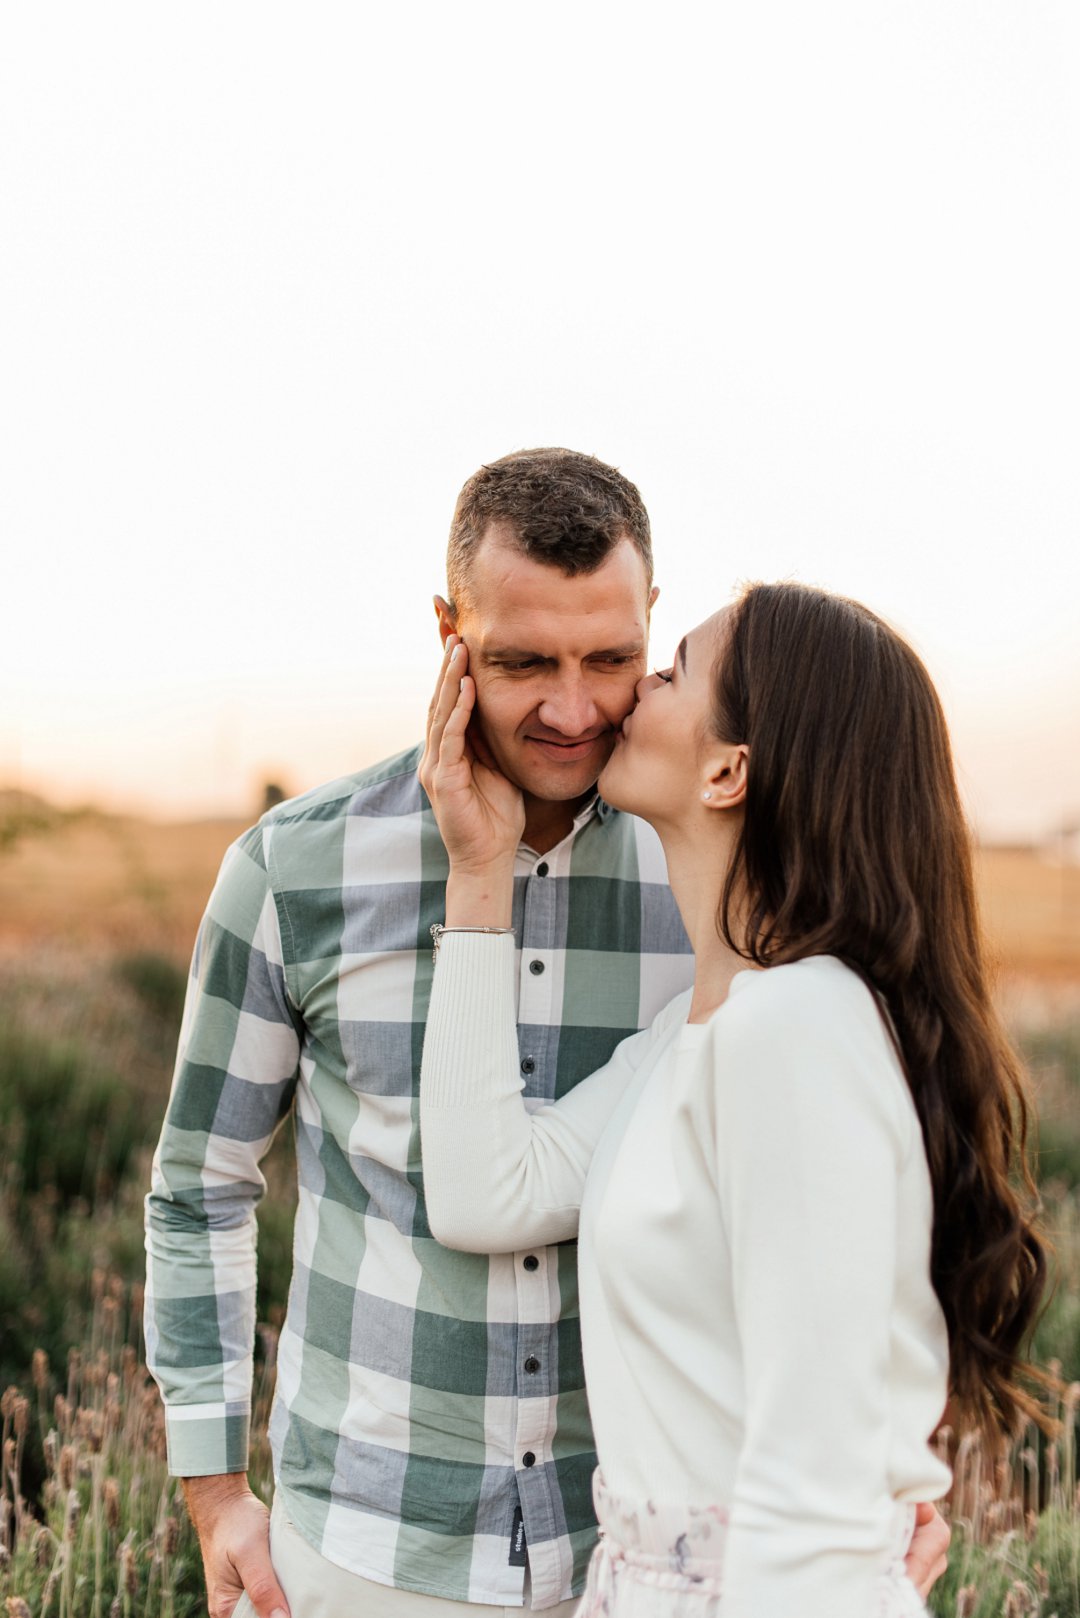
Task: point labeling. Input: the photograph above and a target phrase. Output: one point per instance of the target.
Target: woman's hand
(480, 814)
(928, 1553)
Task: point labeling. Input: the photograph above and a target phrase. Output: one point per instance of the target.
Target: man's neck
(548, 823)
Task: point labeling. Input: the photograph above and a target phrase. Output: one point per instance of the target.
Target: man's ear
(653, 593)
(447, 617)
(725, 778)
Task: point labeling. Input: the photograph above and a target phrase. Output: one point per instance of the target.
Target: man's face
(555, 659)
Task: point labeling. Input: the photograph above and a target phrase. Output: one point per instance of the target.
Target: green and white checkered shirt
(424, 1397)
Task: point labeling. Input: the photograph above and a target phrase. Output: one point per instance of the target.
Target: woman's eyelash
(664, 674)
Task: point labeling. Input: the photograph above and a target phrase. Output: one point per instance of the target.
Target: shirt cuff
(206, 1440)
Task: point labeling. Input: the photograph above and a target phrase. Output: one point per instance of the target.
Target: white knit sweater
(759, 1326)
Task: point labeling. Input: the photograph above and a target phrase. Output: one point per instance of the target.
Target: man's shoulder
(388, 788)
(346, 829)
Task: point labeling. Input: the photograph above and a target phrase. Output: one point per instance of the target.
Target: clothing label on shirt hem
(518, 1544)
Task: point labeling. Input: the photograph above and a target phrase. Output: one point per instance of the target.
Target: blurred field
(87, 879)
(1031, 906)
(98, 914)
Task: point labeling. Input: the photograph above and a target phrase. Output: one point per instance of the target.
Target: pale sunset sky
(275, 280)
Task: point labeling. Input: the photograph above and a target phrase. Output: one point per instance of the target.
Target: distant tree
(272, 794)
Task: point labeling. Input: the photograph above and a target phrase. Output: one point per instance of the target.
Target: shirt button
(532, 1262)
(532, 1364)
(542, 868)
(529, 1064)
(536, 967)
(528, 1459)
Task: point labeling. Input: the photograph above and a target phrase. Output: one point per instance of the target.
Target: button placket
(538, 961)
(540, 989)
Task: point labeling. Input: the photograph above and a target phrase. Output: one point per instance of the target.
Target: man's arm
(234, 1080)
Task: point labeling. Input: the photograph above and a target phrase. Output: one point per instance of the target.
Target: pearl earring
(706, 794)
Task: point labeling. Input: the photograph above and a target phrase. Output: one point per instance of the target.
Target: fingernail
(455, 653)
(279, 1612)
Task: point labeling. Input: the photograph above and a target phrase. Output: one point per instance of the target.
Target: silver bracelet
(437, 931)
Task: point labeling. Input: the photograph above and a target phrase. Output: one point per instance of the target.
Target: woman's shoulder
(810, 1018)
(816, 989)
(673, 1015)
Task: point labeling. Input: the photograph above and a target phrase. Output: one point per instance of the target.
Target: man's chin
(566, 788)
(559, 783)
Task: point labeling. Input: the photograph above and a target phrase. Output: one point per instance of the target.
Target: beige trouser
(317, 1588)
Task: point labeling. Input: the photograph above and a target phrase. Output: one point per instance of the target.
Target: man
(430, 1434)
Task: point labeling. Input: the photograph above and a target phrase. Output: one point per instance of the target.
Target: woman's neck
(697, 865)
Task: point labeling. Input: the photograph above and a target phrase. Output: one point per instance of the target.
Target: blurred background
(276, 280)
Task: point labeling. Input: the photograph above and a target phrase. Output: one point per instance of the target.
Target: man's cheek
(486, 722)
(626, 704)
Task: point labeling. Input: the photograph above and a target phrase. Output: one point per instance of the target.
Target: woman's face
(660, 766)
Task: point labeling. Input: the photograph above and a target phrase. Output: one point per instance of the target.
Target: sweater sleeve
(811, 1135)
(497, 1178)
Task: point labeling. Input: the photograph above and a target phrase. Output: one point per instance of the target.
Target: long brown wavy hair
(854, 844)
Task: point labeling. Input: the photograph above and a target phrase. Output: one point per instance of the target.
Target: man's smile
(568, 750)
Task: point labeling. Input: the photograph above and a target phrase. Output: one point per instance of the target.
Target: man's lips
(567, 749)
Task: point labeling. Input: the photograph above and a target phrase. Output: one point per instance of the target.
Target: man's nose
(569, 708)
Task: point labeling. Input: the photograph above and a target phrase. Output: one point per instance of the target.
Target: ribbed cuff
(471, 1035)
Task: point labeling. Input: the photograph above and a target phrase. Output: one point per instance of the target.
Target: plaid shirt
(425, 1398)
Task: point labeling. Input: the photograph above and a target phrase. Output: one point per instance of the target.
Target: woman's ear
(725, 779)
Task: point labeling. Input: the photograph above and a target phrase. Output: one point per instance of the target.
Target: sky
(275, 280)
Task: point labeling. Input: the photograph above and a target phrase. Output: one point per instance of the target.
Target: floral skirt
(656, 1561)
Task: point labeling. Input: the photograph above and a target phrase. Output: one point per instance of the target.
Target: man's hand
(233, 1527)
(928, 1553)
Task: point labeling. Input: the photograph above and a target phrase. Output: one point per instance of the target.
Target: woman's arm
(497, 1178)
(811, 1136)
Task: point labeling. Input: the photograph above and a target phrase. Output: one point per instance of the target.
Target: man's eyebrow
(501, 654)
(681, 653)
(630, 649)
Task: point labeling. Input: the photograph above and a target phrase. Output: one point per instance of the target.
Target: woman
(798, 1234)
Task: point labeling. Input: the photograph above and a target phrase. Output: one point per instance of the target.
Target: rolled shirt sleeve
(234, 1081)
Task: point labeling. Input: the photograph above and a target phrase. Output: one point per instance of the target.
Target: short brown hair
(560, 507)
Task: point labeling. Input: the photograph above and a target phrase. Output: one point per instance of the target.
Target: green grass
(86, 1055)
(101, 1531)
(90, 1524)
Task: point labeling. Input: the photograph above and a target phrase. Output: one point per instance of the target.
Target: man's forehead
(512, 629)
(516, 602)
